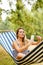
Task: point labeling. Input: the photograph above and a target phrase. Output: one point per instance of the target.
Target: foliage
(37, 5)
(32, 22)
(5, 25)
(0, 0)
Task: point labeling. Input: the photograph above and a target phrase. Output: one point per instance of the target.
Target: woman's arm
(39, 40)
(18, 49)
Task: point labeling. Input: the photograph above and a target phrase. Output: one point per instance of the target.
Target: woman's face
(21, 33)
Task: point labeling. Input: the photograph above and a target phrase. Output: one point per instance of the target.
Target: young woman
(21, 44)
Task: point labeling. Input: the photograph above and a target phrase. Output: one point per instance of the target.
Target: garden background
(20, 16)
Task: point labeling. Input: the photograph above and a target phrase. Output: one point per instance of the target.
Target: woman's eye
(21, 32)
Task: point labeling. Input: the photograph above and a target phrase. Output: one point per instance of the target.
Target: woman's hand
(36, 42)
(39, 38)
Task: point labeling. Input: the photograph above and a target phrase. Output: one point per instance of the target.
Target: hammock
(34, 56)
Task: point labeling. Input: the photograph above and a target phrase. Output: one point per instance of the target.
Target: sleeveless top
(15, 52)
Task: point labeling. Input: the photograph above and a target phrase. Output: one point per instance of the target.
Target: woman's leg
(20, 55)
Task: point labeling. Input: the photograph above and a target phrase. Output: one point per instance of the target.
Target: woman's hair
(17, 33)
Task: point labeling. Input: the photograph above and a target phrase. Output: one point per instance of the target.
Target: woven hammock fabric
(35, 56)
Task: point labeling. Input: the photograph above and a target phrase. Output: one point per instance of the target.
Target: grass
(5, 58)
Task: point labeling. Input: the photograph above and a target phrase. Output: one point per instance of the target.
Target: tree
(21, 17)
(38, 5)
(37, 11)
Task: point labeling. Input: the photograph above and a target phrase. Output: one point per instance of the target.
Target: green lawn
(5, 58)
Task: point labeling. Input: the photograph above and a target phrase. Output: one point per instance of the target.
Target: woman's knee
(20, 55)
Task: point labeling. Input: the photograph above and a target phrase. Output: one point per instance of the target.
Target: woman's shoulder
(14, 42)
(27, 40)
